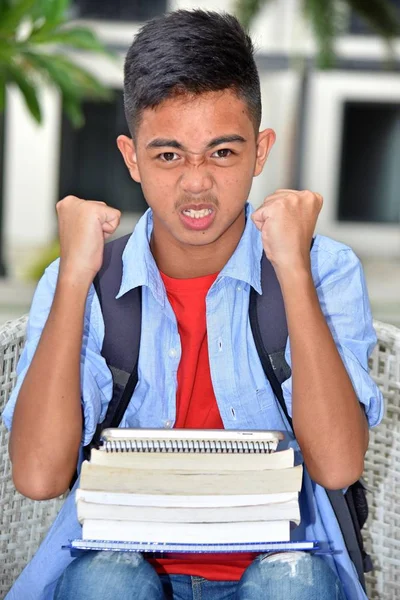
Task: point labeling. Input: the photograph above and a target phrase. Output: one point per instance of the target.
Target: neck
(183, 261)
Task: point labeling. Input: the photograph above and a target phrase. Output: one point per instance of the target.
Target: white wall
(279, 91)
(30, 172)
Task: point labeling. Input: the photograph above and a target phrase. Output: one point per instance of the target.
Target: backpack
(122, 321)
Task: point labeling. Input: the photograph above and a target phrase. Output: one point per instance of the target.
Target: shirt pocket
(265, 398)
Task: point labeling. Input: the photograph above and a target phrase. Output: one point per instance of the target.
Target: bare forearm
(328, 420)
(47, 423)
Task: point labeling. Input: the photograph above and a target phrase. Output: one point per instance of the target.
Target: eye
(222, 153)
(168, 156)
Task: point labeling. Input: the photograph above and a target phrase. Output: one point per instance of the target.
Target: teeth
(197, 214)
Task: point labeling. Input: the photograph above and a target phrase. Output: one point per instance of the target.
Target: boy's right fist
(83, 226)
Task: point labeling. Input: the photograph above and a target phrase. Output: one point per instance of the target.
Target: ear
(265, 141)
(127, 148)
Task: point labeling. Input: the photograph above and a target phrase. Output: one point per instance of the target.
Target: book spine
(190, 446)
(114, 546)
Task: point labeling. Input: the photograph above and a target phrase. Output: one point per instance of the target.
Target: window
(91, 165)
(119, 10)
(358, 26)
(370, 174)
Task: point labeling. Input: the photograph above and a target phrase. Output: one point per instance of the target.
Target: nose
(196, 180)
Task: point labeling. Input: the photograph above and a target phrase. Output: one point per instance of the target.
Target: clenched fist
(84, 226)
(287, 220)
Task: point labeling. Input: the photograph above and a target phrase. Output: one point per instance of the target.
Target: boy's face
(195, 157)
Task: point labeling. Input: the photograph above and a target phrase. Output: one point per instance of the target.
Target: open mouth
(197, 214)
(197, 218)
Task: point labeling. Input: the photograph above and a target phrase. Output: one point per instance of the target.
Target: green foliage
(12, 16)
(324, 17)
(33, 37)
(16, 75)
(246, 10)
(41, 260)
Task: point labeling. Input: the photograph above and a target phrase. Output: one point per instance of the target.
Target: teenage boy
(192, 100)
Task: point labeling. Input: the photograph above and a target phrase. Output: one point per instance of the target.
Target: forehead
(196, 118)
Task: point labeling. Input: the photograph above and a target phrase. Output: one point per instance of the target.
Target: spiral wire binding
(189, 446)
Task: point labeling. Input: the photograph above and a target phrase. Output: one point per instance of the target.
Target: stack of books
(188, 491)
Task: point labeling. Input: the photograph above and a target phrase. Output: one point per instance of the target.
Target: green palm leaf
(246, 10)
(52, 12)
(12, 15)
(2, 91)
(8, 50)
(70, 78)
(77, 37)
(14, 74)
(4, 7)
(20, 62)
(323, 18)
(73, 110)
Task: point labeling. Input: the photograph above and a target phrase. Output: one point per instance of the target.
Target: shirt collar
(139, 267)
(245, 262)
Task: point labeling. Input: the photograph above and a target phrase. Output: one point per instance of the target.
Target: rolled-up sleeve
(341, 289)
(96, 379)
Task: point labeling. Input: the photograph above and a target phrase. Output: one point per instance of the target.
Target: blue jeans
(128, 576)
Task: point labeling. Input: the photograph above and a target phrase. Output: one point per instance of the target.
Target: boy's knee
(122, 574)
(289, 575)
(290, 564)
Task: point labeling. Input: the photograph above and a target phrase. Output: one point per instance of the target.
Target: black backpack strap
(268, 323)
(122, 326)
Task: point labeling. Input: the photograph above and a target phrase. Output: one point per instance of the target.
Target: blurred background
(330, 77)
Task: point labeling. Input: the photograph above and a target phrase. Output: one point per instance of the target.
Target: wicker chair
(24, 522)
(382, 471)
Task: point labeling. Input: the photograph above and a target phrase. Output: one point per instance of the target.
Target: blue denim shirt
(243, 393)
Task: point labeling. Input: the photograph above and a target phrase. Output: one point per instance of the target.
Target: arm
(328, 420)
(47, 423)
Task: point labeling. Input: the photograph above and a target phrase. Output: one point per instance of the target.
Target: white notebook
(193, 533)
(189, 440)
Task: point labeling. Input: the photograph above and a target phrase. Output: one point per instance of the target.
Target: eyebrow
(169, 143)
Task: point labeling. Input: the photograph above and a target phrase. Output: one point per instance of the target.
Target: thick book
(181, 501)
(196, 533)
(275, 511)
(187, 461)
(138, 481)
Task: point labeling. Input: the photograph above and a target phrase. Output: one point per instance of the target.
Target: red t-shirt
(196, 408)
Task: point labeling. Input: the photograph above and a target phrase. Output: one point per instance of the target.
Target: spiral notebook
(153, 490)
(189, 440)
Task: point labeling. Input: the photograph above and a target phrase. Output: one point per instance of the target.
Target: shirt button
(239, 288)
(172, 353)
(168, 424)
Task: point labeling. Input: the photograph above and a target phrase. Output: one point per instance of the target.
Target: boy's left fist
(287, 220)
